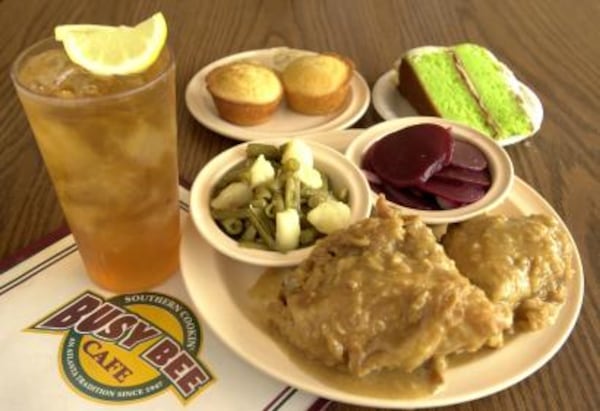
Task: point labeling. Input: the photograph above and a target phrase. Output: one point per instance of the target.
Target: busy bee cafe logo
(128, 347)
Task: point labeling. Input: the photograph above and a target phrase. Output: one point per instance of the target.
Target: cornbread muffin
(244, 93)
(317, 84)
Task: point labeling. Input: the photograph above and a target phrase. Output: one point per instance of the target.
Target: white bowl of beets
(438, 169)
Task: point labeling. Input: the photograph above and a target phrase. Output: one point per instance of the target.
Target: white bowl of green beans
(247, 223)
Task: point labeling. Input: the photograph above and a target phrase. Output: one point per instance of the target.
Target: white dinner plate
(390, 104)
(219, 286)
(285, 122)
(336, 139)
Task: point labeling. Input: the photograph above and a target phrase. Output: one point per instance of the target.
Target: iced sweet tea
(109, 143)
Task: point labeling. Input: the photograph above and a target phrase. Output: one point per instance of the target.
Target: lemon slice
(61, 32)
(111, 50)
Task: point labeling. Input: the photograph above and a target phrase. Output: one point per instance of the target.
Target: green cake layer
(467, 84)
(449, 95)
(498, 97)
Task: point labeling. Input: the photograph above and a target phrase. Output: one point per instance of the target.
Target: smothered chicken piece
(382, 294)
(521, 262)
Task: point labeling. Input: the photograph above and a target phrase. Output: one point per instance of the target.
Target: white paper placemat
(66, 344)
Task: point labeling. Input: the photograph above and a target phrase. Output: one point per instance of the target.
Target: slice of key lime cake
(468, 84)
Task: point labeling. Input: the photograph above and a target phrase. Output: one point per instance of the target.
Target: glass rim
(82, 99)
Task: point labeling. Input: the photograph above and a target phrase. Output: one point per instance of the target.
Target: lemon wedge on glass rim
(114, 50)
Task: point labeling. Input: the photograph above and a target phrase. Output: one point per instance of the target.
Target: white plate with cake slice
(390, 104)
(284, 122)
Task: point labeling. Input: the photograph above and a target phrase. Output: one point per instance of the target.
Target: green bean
(283, 147)
(325, 179)
(317, 198)
(263, 227)
(266, 221)
(262, 192)
(274, 185)
(306, 191)
(270, 152)
(292, 193)
(308, 236)
(240, 172)
(270, 211)
(232, 226)
(304, 223)
(259, 203)
(249, 233)
(341, 194)
(239, 213)
(278, 202)
(311, 197)
(278, 182)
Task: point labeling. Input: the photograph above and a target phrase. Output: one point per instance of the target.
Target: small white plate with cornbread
(282, 121)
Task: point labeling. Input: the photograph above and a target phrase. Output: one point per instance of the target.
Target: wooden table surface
(553, 46)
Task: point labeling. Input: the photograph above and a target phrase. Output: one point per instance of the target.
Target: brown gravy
(384, 384)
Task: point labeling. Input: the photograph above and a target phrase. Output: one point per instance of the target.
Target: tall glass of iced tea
(109, 143)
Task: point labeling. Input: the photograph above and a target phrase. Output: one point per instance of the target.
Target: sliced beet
(446, 204)
(371, 177)
(466, 155)
(453, 190)
(424, 167)
(377, 188)
(407, 198)
(451, 151)
(479, 177)
(410, 156)
(367, 160)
